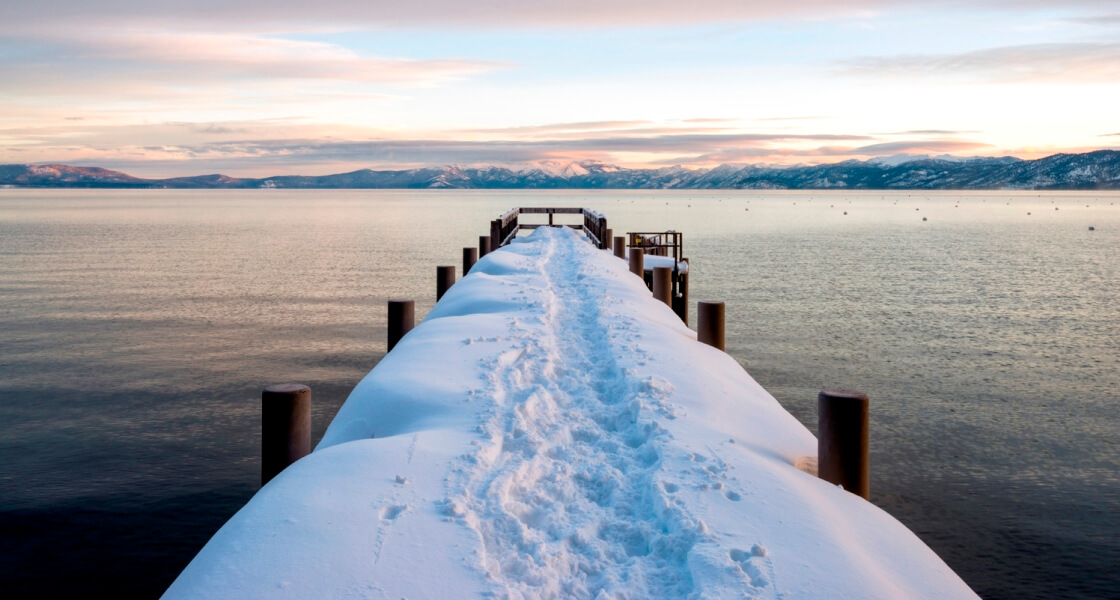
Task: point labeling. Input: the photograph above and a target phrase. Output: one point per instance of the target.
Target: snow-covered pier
(551, 431)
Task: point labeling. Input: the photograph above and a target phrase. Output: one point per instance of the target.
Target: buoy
(845, 212)
(924, 219)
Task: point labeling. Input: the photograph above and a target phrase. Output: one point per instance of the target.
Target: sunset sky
(167, 87)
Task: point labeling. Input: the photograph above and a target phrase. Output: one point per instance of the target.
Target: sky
(162, 88)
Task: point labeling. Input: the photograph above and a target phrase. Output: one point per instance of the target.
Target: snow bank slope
(550, 431)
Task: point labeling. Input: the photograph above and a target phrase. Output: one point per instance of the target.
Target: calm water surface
(138, 327)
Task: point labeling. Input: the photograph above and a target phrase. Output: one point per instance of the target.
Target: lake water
(137, 329)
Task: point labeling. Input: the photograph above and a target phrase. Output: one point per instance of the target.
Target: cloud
(732, 155)
(1101, 20)
(18, 16)
(582, 126)
(300, 154)
(710, 120)
(787, 155)
(791, 118)
(212, 128)
(514, 150)
(929, 132)
(1065, 62)
(191, 57)
(428, 13)
(916, 146)
(1110, 134)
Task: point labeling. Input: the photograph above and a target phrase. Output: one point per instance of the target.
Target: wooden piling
(637, 262)
(470, 256)
(483, 245)
(496, 234)
(680, 300)
(445, 278)
(842, 439)
(285, 427)
(710, 323)
(663, 285)
(620, 246)
(402, 318)
(608, 239)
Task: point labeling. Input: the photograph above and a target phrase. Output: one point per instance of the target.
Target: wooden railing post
(842, 436)
(710, 324)
(483, 245)
(620, 246)
(285, 427)
(402, 318)
(496, 234)
(445, 278)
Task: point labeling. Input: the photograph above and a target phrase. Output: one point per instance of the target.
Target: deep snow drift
(551, 431)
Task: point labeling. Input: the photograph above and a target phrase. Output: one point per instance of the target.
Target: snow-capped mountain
(1091, 170)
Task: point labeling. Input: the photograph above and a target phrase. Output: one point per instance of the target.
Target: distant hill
(1098, 170)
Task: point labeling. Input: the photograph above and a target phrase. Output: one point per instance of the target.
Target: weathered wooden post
(842, 434)
(663, 285)
(620, 246)
(608, 239)
(637, 262)
(483, 245)
(285, 427)
(470, 256)
(496, 234)
(402, 318)
(710, 324)
(445, 278)
(601, 232)
(550, 218)
(680, 301)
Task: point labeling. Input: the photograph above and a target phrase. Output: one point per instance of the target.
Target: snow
(551, 431)
(901, 159)
(555, 168)
(650, 261)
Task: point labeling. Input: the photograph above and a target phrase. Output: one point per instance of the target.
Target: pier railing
(505, 228)
(658, 243)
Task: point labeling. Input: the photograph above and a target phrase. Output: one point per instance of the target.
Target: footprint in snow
(752, 564)
(390, 513)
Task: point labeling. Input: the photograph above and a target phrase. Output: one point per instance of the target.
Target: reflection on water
(138, 328)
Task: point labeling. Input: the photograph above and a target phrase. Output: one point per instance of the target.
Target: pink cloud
(192, 56)
(1087, 62)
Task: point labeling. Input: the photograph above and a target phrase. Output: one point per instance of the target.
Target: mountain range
(1099, 170)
